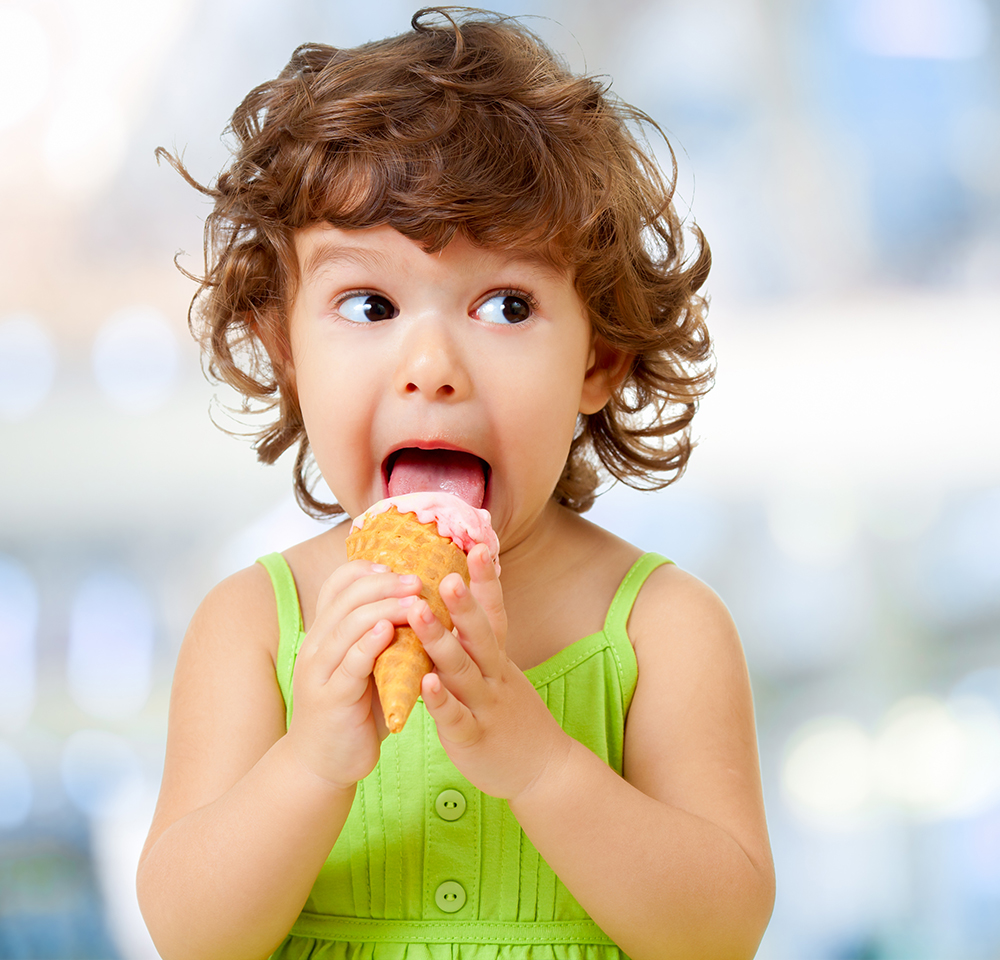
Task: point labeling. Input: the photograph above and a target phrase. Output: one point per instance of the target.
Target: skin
(673, 859)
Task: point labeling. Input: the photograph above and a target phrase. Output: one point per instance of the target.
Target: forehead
(321, 247)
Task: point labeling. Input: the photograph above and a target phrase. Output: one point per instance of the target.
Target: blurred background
(843, 157)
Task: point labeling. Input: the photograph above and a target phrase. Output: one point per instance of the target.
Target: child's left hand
(491, 721)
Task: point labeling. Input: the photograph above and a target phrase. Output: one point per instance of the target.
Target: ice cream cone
(405, 545)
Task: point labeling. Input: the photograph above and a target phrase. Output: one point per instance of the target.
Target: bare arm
(678, 859)
(673, 860)
(247, 813)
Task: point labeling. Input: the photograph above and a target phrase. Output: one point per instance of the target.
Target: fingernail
(406, 601)
(460, 589)
(379, 568)
(427, 615)
(410, 579)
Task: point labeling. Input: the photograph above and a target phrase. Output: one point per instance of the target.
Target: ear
(606, 368)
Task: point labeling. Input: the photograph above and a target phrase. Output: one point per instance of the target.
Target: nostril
(445, 390)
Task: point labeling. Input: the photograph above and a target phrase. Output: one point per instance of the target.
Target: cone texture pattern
(405, 545)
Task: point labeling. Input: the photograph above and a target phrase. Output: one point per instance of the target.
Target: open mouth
(415, 470)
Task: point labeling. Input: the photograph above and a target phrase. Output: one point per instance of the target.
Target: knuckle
(458, 720)
(327, 593)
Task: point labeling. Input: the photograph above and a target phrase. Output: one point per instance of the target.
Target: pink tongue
(454, 472)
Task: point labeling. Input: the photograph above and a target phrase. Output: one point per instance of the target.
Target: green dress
(427, 867)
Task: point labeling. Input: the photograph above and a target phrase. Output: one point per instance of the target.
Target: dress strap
(290, 627)
(625, 596)
(616, 623)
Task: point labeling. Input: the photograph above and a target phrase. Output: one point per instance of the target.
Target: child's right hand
(337, 724)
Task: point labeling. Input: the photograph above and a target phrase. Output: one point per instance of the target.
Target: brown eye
(505, 308)
(367, 308)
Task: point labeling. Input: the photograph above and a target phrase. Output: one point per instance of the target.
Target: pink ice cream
(459, 521)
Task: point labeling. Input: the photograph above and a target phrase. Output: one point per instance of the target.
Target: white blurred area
(843, 158)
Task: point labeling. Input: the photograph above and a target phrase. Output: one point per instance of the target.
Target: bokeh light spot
(827, 770)
(27, 365)
(110, 646)
(135, 359)
(920, 753)
(931, 29)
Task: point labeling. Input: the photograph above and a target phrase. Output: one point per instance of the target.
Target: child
(445, 258)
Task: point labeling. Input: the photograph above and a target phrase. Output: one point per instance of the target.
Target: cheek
(329, 408)
(554, 383)
(542, 404)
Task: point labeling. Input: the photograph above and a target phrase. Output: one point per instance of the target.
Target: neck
(531, 555)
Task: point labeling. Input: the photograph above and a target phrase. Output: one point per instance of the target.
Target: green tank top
(427, 867)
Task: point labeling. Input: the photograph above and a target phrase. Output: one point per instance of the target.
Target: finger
(452, 661)
(475, 631)
(352, 586)
(329, 640)
(352, 678)
(485, 586)
(360, 581)
(455, 721)
(346, 574)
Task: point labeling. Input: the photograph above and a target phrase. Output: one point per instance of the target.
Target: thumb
(485, 586)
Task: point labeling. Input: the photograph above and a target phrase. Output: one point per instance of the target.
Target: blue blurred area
(910, 117)
(50, 901)
(843, 158)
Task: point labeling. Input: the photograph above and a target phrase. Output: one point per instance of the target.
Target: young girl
(443, 259)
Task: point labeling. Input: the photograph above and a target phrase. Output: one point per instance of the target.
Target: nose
(431, 363)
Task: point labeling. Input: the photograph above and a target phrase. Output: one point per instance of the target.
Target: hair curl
(467, 124)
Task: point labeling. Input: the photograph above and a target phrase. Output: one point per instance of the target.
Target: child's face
(469, 349)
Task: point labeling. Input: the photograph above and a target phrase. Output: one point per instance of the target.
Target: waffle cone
(405, 545)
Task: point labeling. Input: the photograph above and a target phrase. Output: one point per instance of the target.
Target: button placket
(451, 863)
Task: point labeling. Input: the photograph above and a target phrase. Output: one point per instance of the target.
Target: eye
(505, 308)
(367, 308)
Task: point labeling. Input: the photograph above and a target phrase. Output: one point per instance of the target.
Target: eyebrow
(528, 259)
(331, 252)
(537, 263)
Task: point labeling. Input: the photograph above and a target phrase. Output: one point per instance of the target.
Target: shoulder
(246, 595)
(674, 606)
(686, 645)
(237, 615)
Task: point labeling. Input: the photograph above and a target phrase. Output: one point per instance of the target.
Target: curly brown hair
(466, 124)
